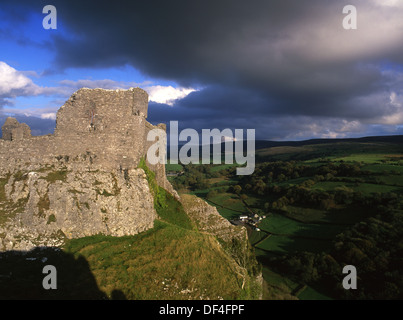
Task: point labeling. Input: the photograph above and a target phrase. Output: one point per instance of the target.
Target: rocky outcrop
(209, 220)
(46, 207)
(233, 240)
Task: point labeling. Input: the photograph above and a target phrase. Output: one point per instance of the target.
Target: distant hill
(262, 144)
(265, 144)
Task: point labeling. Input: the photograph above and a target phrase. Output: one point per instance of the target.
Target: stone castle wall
(95, 128)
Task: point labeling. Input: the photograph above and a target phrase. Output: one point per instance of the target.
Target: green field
(366, 188)
(392, 180)
(384, 168)
(277, 287)
(306, 215)
(217, 168)
(286, 244)
(281, 225)
(365, 158)
(256, 236)
(280, 288)
(336, 216)
(173, 167)
(308, 293)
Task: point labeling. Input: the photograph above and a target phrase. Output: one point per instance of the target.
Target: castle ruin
(107, 125)
(83, 179)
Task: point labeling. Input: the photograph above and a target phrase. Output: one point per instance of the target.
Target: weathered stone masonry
(110, 125)
(83, 179)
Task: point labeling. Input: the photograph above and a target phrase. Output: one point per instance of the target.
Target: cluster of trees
(215, 192)
(266, 181)
(320, 199)
(194, 177)
(280, 171)
(374, 247)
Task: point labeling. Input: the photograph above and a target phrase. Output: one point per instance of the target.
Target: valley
(325, 206)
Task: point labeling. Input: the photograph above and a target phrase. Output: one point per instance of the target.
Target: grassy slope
(166, 262)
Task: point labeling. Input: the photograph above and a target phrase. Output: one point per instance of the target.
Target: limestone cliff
(84, 179)
(43, 208)
(209, 220)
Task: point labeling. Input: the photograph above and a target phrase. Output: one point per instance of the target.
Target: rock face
(84, 179)
(209, 220)
(45, 208)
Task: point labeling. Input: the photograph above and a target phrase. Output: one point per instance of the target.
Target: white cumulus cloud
(51, 115)
(14, 83)
(167, 94)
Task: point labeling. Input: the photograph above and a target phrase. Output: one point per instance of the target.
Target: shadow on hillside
(21, 276)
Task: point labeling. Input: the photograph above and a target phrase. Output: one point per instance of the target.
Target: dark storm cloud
(189, 41)
(259, 60)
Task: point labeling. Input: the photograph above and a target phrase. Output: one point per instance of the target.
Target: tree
(327, 204)
(211, 194)
(237, 189)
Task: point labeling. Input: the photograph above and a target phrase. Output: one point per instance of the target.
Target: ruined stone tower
(14, 131)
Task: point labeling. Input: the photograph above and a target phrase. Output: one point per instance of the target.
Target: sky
(288, 69)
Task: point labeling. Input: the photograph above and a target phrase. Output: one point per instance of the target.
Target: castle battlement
(101, 111)
(95, 128)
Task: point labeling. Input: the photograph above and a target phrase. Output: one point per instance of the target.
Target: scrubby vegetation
(54, 176)
(167, 207)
